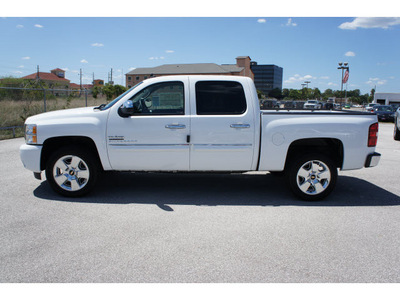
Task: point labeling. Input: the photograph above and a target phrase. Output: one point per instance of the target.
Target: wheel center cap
(313, 177)
(72, 172)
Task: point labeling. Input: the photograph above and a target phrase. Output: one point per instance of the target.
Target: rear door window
(220, 98)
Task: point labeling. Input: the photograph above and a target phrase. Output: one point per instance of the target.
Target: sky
(307, 48)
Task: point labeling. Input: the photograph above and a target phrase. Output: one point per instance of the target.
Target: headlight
(30, 134)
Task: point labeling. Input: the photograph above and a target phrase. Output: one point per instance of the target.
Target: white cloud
(20, 26)
(25, 58)
(350, 53)
(290, 22)
(131, 68)
(39, 26)
(384, 23)
(376, 81)
(98, 45)
(156, 57)
(21, 67)
(261, 21)
(324, 77)
(169, 51)
(84, 61)
(298, 78)
(17, 72)
(332, 84)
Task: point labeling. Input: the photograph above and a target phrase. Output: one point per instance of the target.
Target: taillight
(373, 135)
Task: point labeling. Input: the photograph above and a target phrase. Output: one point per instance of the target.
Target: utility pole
(80, 82)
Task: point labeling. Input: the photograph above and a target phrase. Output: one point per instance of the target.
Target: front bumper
(372, 160)
(30, 157)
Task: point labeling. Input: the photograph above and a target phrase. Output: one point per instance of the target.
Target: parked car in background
(329, 105)
(288, 104)
(396, 132)
(384, 112)
(269, 104)
(395, 106)
(370, 107)
(299, 104)
(312, 104)
(347, 106)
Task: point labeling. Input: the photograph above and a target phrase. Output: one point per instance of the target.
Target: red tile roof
(76, 86)
(45, 76)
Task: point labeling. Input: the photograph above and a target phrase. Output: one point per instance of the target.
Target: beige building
(241, 68)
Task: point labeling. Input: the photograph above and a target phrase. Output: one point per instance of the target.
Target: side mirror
(126, 109)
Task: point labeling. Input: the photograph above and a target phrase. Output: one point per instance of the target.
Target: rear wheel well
(327, 146)
(53, 144)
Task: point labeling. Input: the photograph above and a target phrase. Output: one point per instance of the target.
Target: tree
(294, 94)
(372, 95)
(316, 93)
(275, 93)
(285, 93)
(113, 90)
(260, 94)
(95, 91)
(108, 90)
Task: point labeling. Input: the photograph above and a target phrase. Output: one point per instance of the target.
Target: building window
(137, 77)
(129, 78)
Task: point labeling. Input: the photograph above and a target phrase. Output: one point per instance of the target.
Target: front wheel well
(327, 146)
(52, 144)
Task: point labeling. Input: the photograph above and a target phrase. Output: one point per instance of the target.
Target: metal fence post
(86, 92)
(44, 98)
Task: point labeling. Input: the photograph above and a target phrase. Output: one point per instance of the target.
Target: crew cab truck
(197, 124)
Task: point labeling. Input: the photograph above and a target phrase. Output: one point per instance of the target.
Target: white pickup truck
(312, 104)
(197, 124)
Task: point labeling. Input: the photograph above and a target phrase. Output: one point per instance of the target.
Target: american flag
(346, 76)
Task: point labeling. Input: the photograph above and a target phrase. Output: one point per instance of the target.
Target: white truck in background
(312, 104)
(197, 124)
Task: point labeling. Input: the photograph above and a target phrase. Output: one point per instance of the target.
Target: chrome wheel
(313, 177)
(71, 173)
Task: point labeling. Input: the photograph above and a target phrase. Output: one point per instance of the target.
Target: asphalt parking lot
(201, 228)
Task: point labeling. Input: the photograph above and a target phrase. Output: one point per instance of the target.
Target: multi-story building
(241, 68)
(267, 77)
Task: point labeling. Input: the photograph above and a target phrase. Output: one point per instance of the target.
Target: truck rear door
(222, 126)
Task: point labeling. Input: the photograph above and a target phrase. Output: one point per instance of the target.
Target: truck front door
(154, 137)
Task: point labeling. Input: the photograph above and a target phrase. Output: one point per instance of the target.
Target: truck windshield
(118, 98)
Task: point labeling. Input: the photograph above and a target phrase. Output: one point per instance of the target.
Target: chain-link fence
(17, 104)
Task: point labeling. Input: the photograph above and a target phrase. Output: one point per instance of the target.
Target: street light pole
(342, 66)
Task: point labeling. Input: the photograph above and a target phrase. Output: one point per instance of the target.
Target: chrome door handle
(175, 126)
(240, 126)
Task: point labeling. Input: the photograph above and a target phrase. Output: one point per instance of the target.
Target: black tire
(72, 172)
(311, 176)
(396, 132)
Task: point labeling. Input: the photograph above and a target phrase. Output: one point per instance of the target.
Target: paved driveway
(201, 228)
